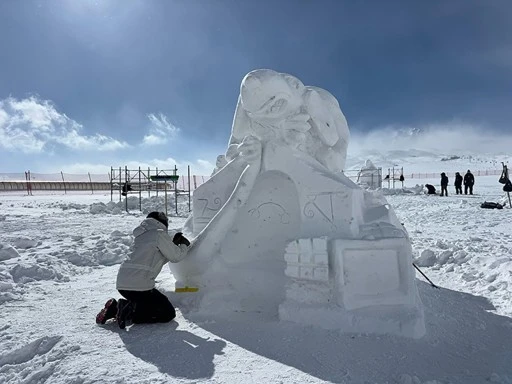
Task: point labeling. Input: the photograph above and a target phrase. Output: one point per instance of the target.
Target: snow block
(371, 273)
(307, 259)
(369, 286)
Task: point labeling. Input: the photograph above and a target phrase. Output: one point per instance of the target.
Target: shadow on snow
(175, 352)
(465, 343)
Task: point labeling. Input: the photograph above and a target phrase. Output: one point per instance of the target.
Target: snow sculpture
(280, 231)
(369, 176)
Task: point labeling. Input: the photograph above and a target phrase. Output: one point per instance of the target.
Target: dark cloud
(388, 63)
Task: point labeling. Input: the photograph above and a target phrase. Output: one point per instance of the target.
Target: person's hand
(180, 239)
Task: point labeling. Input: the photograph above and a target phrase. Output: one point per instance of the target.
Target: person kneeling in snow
(431, 190)
(152, 249)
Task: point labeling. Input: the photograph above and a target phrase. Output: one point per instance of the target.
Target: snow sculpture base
(279, 231)
(370, 287)
(391, 320)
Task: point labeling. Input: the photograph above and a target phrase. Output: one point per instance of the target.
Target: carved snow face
(268, 94)
(278, 108)
(273, 103)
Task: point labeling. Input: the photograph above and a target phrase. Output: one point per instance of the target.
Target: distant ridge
(417, 160)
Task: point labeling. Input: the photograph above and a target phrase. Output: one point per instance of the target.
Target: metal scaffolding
(136, 181)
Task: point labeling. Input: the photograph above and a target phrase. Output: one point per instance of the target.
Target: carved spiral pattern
(308, 210)
(217, 203)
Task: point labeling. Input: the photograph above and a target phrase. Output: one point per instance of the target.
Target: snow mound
(427, 258)
(7, 287)
(7, 252)
(26, 353)
(105, 251)
(25, 243)
(416, 190)
(34, 362)
(24, 273)
(75, 206)
(145, 204)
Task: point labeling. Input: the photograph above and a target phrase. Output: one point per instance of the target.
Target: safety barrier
(30, 181)
(53, 186)
(422, 175)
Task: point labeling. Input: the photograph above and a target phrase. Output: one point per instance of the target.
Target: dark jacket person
(469, 181)
(458, 183)
(444, 184)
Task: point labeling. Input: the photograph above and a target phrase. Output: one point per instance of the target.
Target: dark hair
(159, 216)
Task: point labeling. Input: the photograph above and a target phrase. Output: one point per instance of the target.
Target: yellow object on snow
(186, 289)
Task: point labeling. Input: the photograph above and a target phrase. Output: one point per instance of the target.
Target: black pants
(444, 190)
(150, 306)
(458, 189)
(470, 186)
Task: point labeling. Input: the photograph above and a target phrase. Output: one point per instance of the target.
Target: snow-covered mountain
(433, 149)
(416, 160)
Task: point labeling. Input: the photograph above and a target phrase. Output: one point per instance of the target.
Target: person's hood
(148, 225)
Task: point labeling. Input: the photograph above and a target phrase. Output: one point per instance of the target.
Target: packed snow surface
(59, 259)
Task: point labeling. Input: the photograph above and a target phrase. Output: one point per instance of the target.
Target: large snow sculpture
(279, 230)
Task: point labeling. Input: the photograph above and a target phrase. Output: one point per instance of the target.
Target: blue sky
(89, 84)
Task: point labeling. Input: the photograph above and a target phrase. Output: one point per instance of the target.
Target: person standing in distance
(444, 184)
(458, 183)
(469, 181)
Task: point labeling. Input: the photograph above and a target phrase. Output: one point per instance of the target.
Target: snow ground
(59, 256)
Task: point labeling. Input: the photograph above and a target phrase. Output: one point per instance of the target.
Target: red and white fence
(30, 181)
(433, 175)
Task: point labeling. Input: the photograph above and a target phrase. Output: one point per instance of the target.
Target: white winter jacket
(152, 249)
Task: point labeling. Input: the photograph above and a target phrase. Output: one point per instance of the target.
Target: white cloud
(33, 126)
(84, 169)
(3, 117)
(152, 140)
(203, 167)
(199, 167)
(160, 130)
(74, 140)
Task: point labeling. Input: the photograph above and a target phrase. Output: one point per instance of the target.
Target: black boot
(124, 313)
